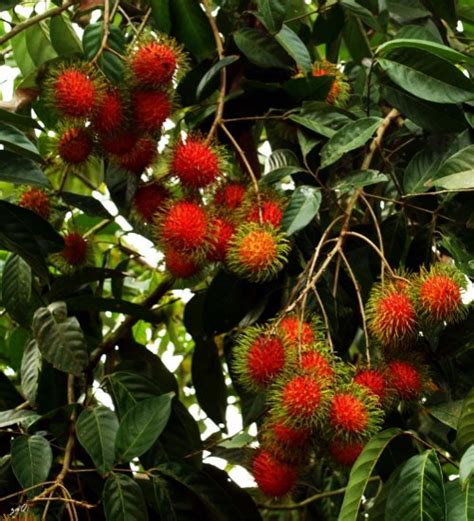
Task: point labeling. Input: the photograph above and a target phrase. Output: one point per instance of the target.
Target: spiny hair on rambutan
(179, 264)
(374, 379)
(438, 294)
(287, 442)
(274, 478)
(270, 210)
(407, 378)
(149, 199)
(221, 234)
(119, 143)
(230, 196)
(75, 146)
(354, 412)
(339, 92)
(196, 163)
(258, 357)
(185, 226)
(257, 252)
(391, 313)
(109, 112)
(297, 332)
(76, 251)
(318, 360)
(140, 156)
(151, 108)
(345, 452)
(37, 201)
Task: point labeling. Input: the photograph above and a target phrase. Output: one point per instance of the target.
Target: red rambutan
(348, 413)
(195, 163)
(222, 232)
(301, 397)
(108, 116)
(318, 364)
(76, 249)
(37, 201)
(296, 332)
(149, 199)
(405, 378)
(119, 143)
(230, 196)
(374, 380)
(272, 213)
(140, 156)
(345, 452)
(151, 109)
(273, 477)
(75, 145)
(74, 93)
(154, 64)
(179, 264)
(290, 436)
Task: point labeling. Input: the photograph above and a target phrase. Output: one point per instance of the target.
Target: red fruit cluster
(274, 477)
(37, 201)
(150, 199)
(154, 64)
(75, 146)
(76, 249)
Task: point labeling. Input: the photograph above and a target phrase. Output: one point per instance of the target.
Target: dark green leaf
(465, 434)
(212, 72)
(447, 413)
(356, 38)
(361, 12)
(360, 179)
(38, 43)
(160, 13)
(313, 124)
(457, 172)
(18, 120)
(14, 140)
(294, 46)
(16, 288)
(111, 65)
(261, 49)
(11, 417)
(17, 169)
(31, 460)
(162, 500)
(123, 499)
(459, 503)
(302, 208)
(280, 173)
(272, 13)
(306, 89)
(421, 170)
(466, 466)
(30, 370)
(63, 36)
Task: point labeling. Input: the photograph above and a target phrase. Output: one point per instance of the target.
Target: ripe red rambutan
(195, 163)
(230, 196)
(272, 213)
(151, 109)
(75, 145)
(149, 200)
(222, 232)
(179, 264)
(185, 226)
(273, 477)
(140, 156)
(348, 413)
(301, 397)
(74, 93)
(318, 364)
(405, 378)
(108, 115)
(76, 249)
(290, 436)
(37, 201)
(296, 332)
(345, 452)
(119, 143)
(374, 380)
(154, 64)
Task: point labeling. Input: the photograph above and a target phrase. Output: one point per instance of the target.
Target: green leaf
(356, 38)
(141, 426)
(308, 89)
(111, 65)
(418, 491)
(261, 49)
(279, 173)
(162, 500)
(160, 14)
(351, 136)
(272, 13)
(437, 49)
(295, 47)
(191, 27)
(60, 339)
(313, 124)
(457, 172)
(428, 77)
(447, 413)
(63, 36)
(361, 12)
(212, 72)
(39, 45)
(32, 458)
(20, 170)
(86, 204)
(11, 417)
(30, 370)
(420, 171)
(16, 288)
(14, 140)
(466, 466)
(123, 499)
(18, 120)
(8, 4)
(459, 503)
(359, 179)
(361, 471)
(465, 434)
(96, 430)
(302, 208)
(21, 55)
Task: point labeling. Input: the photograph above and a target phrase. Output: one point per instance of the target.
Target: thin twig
(105, 35)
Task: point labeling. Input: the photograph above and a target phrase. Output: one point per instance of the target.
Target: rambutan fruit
(271, 211)
(230, 196)
(36, 200)
(179, 264)
(259, 357)
(109, 114)
(185, 226)
(374, 380)
(319, 362)
(273, 477)
(339, 91)
(74, 93)
(149, 199)
(196, 163)
(140, 156)
(290, 436)
(76, 249)
(119, 143)
(286, 442)
(153, 64)
(151, 109)
(75, 146)
(222, 232)
(406, 379)
(296, 332)
(345, 452)
(257, 252)
(391, 314)
(438, 294)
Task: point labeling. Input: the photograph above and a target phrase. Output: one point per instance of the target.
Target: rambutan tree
(236, 243)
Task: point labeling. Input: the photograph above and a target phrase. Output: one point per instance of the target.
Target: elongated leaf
(360, 179)
(30, 370)
(160, 12)
(361, 12)
(16, 288)
(351, 136)
(447, 413)
(14, 140)
(261, 49)
(279, 173)
(459, 503)
(63, 37)
(11, 417)
(212, 72)
(141, 426)
(123, 499)
(272, 13)
(17, 169)
(465, 434)
(421, 170)
(302, 208)
(361, 471)
(466, 466)
(457, 172)
(295, 47)
(96, 430)
(162, 500)
(60, 339)
(313, 124)
(31, 459)
(18, 120)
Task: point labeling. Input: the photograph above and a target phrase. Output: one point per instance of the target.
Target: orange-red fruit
(373, 380)
(222, 232)
(296, 332)
(291, 436)
(345, 453)
(75, 249)
(230, 196)
(154, 64)
(273, 477)
(74, 94)
(440, 297)
(317, 364)
(301, 396)
(108, 115)
(195, 163)
(265, 359)
(75, 145)
(257, 250)
(140, 156)
(394, 317)
(37, 201)
(348, 413)
(149, 199)
(405, 379)
(185, 226)
(151, 109)
(179, 264)
(271, 213)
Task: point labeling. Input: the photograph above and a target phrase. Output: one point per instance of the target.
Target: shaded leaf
(111, 65)
(16, 288)
(161, 16)
(17, 169)
(63, 36)
(302, 208)
(360, 179)
(459, 503)
(11, 417)
(12, 139)
(260, 48)
(123, 499)
(466, 466)
(295, 47)
(32, 458)
(465, 434)
(212, 72)
(457, 172)
(30, 370)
